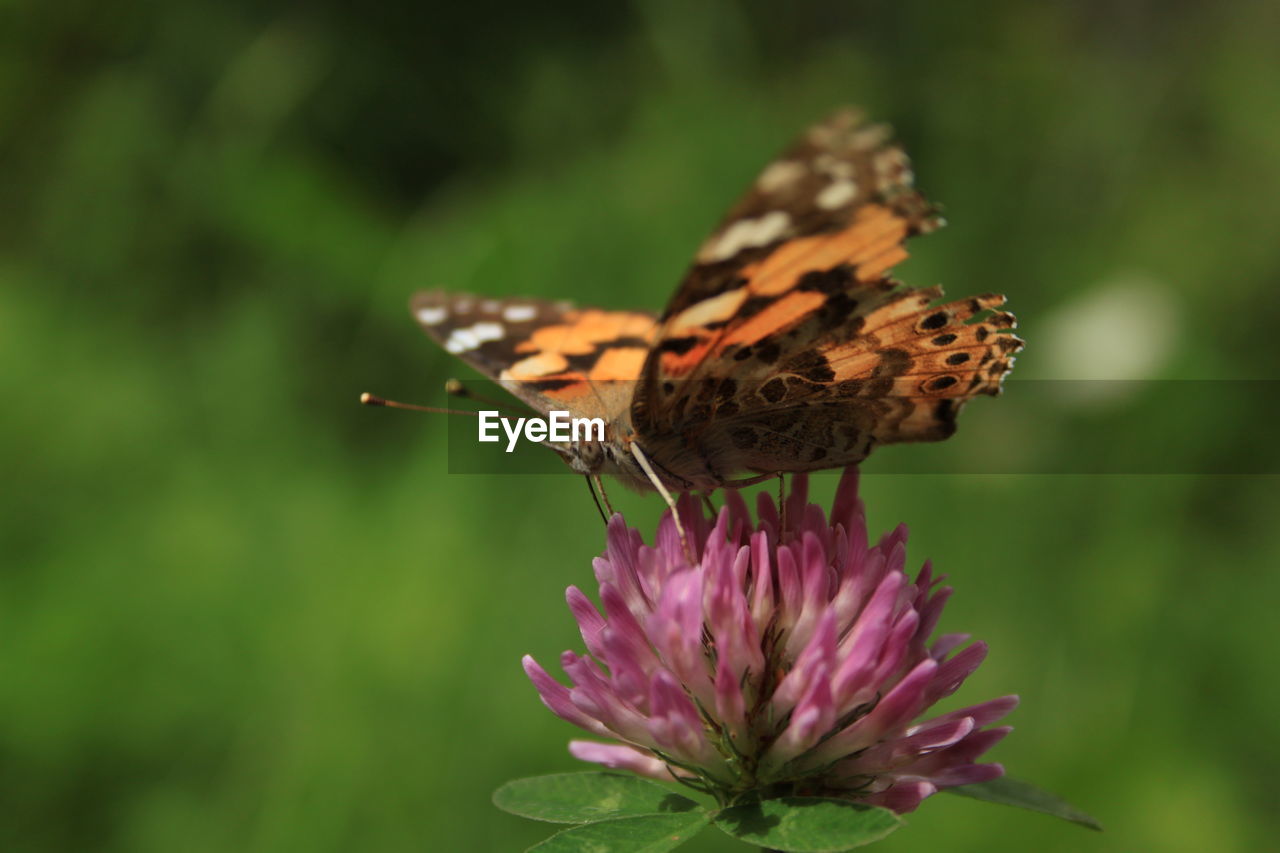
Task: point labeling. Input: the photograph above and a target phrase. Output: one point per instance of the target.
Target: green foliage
(587, 797)
(1024, 795)
(643, 834)
(619, 813)
(807, 824)
(239, 612)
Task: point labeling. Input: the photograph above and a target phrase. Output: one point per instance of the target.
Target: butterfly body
(786, 348)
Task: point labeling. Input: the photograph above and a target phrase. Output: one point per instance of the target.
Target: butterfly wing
(788, 348)
(837, 173)
(551, 355)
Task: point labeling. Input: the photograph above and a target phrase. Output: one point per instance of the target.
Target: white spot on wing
(519, 313)
(836, 194)
(490, 306)
(831, 165)
(892, 167)
(431, 315)
(541, 364)
(467, 339)
(869, 137)
(460, 340)
(779, 175)
(746, 233)
(487, 331)
(711, 310)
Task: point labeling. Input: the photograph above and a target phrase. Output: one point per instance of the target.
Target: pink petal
(618, 757)
(739, 515)
(590, 622)
(893, 711)
(675, 630)
(628, 677)
(622, 622)
(860, 650)
(762, 598)
(736, 640)
(890, 542)
(931, 611)
(790, 590)
(556, 697)
(594, 696)
(797, 498)
(953, 672)
(731, 706)
(812, 718)
(846, 506)
(621, 551)
(892, 754)
(815, 588)
(818, 657)
(902, 797)
(896, 649)
(674, 723)
(966, 752)
(984, 714)
(967, 774)
(946, 644)
(767, 515)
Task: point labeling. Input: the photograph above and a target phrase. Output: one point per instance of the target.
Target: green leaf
(807, 824)
(1024, 795)
(652, 833)
(587, 797)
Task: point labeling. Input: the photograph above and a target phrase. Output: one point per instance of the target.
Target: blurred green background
(240, 612)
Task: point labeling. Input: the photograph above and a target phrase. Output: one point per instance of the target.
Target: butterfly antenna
(455, 388)
(368, 399)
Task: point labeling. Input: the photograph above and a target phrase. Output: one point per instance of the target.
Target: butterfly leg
(782, 506)
(643, 461)
(706, 501)
(591, 484)
(748, 481)
(604, 496)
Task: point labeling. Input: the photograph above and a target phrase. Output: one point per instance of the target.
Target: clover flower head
(787, 659)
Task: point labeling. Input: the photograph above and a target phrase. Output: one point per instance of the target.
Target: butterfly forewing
(549, 354)
(816, 186)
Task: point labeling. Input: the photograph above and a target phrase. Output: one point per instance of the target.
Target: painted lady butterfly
(786, 348)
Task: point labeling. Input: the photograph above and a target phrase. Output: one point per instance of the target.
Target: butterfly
(786, 348)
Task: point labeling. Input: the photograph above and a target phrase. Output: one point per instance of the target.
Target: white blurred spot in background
(1125, 328)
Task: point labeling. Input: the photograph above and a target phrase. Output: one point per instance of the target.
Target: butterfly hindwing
(903, 378)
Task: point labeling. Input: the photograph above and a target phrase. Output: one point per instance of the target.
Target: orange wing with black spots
(549, 354)
(788, 348)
